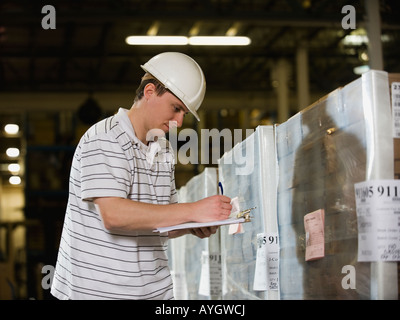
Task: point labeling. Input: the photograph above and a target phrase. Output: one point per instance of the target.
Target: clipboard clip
(245, 214)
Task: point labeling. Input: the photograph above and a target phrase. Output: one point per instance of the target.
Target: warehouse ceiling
(87, 50)
(86, 54)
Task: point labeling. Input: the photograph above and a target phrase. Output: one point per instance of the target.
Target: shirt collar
(126, 124)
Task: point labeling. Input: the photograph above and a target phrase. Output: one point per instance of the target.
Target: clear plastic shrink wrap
(248, 172)
(310, 162)
(322, 151)
(189, 252)
(176, 259)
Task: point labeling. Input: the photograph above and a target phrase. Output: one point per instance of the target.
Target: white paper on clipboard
(193, 225)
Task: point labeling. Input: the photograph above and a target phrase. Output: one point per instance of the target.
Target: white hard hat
(181, 75)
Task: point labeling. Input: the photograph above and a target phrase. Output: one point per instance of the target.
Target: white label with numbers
(215, 274)
(211, 275)
(396, 109)
(266, 275)
(378, 217)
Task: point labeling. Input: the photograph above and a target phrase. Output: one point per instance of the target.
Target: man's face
(165, 109)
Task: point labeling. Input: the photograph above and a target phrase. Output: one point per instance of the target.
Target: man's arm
(125, 214)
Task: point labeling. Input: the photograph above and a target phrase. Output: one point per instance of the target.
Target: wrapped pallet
(195, 262)
(343, 139)
(248, 172)
(300, 176)
(176, 259)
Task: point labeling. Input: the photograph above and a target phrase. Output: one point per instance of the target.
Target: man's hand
(204, 232)
(212, 208)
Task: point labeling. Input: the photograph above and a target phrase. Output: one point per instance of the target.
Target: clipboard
(241, 217)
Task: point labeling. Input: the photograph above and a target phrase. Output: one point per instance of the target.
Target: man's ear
(149, 90)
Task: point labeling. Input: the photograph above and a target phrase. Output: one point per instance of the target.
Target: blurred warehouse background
(56, 82)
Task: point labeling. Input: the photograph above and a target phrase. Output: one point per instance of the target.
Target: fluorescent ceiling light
(156, 40)
(361, 39)
(14, 167)
(11, 128)
(361, 69)
(219, 41)
(355, 39)
(194, 41)
(12, 152)
(15, 180)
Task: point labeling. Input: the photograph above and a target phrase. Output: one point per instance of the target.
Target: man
(122, 187)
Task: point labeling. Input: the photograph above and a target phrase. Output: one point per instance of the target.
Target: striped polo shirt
(93, 262)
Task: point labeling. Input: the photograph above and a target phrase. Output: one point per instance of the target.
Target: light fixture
(12, 152)
(234, 29)
(361, 69)
(156, 40)
(359, 37)
(355, 39)
(194, 41)
(14, 180)
(90, 111)
(195, 29)
(363, 55)
(14, 167)
(11, 128)
(153, 30)
(219, 41)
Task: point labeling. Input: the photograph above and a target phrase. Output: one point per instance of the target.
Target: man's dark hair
(146, 79)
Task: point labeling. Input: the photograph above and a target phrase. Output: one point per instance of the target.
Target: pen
(220, 187)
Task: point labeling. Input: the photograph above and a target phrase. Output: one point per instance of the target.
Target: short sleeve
(105, 170)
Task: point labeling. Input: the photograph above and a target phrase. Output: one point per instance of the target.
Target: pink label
(314, 227)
